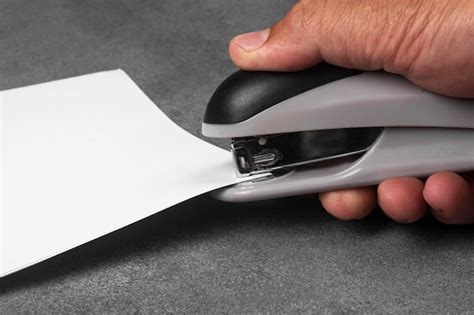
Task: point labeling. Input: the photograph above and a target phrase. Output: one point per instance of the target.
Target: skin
(431, 43)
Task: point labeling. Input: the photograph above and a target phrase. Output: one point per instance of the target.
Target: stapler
(329, 128)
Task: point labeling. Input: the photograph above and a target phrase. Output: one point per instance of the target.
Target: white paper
(85, 156)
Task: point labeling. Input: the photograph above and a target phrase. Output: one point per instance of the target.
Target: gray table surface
(204, 256)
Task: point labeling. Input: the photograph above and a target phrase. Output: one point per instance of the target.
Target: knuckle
(303, 15)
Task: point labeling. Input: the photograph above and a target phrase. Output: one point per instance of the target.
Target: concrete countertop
(206, 256)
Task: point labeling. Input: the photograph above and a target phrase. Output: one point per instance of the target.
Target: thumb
(284, 47)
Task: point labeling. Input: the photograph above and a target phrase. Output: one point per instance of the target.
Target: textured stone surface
(205, 256)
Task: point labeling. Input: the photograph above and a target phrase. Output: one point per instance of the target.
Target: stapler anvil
(330, 128)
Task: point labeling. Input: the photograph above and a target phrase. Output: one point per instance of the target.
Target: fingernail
(252, 41)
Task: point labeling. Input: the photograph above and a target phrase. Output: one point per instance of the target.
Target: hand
(431, 43)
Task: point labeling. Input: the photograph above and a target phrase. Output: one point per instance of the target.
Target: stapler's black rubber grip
(246, 93)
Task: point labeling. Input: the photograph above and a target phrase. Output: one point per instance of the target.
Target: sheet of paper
(85, 156)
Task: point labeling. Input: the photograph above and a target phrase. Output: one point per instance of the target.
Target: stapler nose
(256, 155)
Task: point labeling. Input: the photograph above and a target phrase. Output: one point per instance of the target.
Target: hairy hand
(431, 43)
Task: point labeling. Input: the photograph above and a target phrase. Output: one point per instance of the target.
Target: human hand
(431, 43)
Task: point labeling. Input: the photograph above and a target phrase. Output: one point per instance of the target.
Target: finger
(350, 204)
(451, 198)
(287, 46)
(402, 199)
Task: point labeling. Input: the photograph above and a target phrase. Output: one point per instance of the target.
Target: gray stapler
(330, 128)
